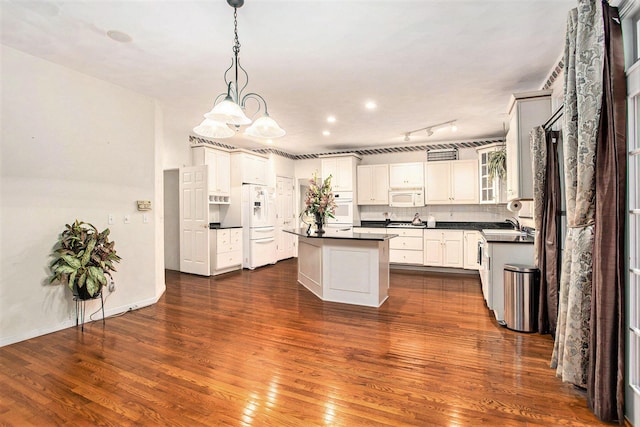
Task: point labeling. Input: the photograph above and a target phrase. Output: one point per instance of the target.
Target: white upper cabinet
(451, 182)
(526, 110)
(219, 181)
(342, 170)
(494, 190)
(406, 175)
(253, 169)
(373, 185)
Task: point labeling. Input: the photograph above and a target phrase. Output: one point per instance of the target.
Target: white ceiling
(423, 62)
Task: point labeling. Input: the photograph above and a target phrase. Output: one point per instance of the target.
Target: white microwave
(409, 197)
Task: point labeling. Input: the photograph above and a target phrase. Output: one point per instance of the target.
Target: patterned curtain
(582, 103)
(589, 345)
(546, 216)
(606, 345)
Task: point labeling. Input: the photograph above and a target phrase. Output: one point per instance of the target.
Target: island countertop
(339, 233)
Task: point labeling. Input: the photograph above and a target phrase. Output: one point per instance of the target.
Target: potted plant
(83, 258)
(497, 164)
(319, 201)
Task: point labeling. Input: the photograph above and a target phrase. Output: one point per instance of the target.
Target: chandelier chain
(236, 46)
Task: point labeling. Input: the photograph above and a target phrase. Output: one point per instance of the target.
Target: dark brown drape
(549, 233)
(606, 342)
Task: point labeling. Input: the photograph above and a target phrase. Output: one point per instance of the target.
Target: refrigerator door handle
(265, 240)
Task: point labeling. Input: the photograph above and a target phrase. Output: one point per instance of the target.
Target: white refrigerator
(259, 221)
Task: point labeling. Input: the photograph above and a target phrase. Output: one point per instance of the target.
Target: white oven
(409, 197)
(344, 209)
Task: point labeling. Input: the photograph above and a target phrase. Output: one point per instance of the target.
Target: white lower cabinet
(444, 248)
(407, 247)
(471, 239)
(226, 250)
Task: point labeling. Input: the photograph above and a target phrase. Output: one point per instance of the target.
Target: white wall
(73, 147)
(171, 220)
(177, 127)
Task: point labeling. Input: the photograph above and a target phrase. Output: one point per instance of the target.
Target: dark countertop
(217, 226)
(444, 225)
(337, 233)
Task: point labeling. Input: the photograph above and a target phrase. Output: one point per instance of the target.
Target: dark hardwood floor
(256, 348)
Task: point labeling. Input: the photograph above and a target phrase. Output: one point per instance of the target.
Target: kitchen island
(344, 266)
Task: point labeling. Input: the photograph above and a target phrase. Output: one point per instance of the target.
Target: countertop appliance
(258, 210)
(408, 197)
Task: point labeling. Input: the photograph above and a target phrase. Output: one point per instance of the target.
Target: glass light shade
(213, 129)
(265, 127)
(228, 112)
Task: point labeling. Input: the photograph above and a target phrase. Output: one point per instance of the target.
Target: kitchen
(356, 209)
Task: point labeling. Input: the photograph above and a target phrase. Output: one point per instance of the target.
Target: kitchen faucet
(514, 222)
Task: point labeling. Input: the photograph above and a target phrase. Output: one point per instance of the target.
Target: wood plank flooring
(256, 348)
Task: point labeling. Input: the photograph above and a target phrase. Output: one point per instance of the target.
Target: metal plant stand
(80, 308)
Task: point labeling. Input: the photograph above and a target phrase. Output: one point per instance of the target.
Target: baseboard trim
(72, 323)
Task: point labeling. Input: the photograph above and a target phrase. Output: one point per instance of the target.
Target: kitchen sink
(405, 225)
(502, 231)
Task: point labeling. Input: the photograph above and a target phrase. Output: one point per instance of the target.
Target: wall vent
(444, 154)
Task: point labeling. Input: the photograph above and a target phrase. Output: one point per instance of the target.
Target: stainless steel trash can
(521, 289)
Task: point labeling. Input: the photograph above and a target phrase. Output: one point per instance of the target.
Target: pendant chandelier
(230, 111)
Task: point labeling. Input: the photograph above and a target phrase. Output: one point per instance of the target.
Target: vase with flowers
(319, 201)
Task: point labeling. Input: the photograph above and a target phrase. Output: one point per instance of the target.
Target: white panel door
(285, 217)
(453, 254)
(433, 248)
(194, 220)
(471, 239)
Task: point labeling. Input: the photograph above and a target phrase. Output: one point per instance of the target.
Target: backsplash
(481, 213)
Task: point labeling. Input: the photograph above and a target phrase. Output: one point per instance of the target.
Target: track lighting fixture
(431, 129)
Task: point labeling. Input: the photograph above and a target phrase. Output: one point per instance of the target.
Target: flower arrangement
(319, 199)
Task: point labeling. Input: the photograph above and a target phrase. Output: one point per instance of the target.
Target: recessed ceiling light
(370, 105)
(119, 36)
(454, 128)
(326, 133)
(269, 141)
(331, 119)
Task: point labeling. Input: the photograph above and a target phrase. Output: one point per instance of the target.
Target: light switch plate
(127, 219)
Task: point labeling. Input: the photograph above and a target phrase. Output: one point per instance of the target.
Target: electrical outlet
(112, 286)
